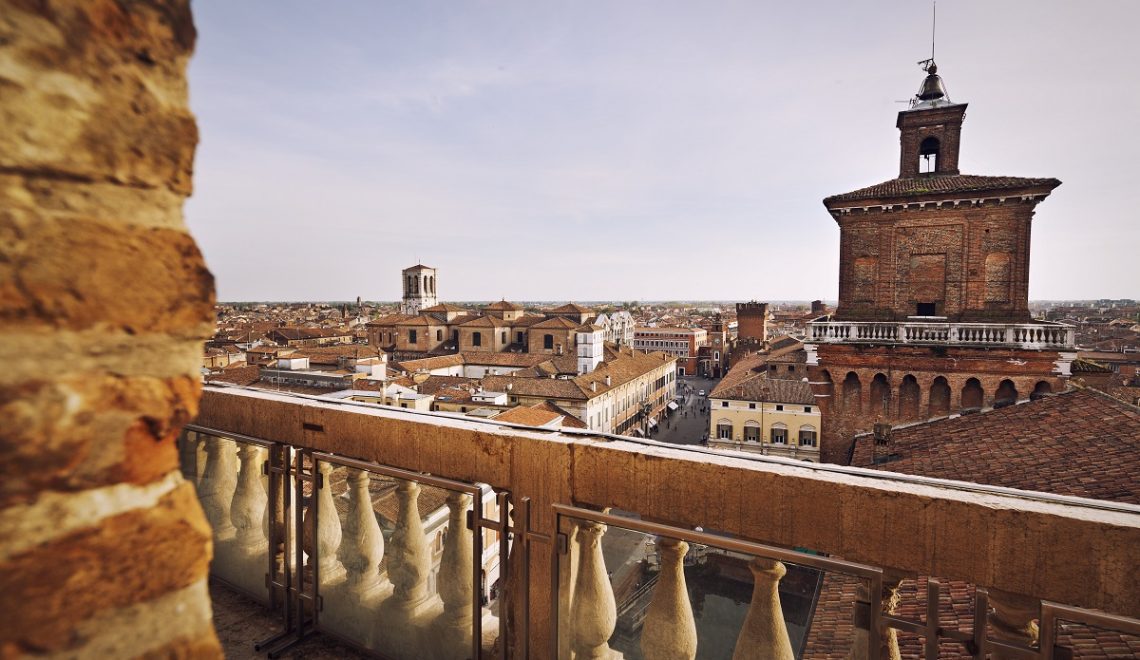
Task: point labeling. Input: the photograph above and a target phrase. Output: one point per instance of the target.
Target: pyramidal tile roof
(940, 185)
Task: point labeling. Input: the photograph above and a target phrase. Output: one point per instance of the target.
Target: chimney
(593, 386)
(607, 380)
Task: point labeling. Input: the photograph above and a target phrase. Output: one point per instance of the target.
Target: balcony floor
(241, 622)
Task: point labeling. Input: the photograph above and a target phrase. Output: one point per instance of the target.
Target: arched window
(928, 155)
(807, 435)
(881, 396)
(724, 429)
(852, 394)
(751, 431)
(1006, 394)
(910, 398)
(779, 433)
(939, 398)
(1041, 389)
(972, 395)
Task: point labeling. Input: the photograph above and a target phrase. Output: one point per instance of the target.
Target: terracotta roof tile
(941, 185)
(1081, 443)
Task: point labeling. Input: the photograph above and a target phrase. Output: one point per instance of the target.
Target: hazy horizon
(637, 151)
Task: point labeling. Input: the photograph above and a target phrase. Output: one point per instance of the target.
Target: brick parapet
(104, 299)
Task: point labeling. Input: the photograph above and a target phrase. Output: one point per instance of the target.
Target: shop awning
(672, 405)
(652, 422)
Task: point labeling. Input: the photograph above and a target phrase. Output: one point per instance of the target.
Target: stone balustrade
(402, 592)
(1036, 336)
(387, 607)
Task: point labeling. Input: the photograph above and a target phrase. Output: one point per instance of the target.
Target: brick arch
(1006, 394)
(973, 396)
(852, 394)
(881, 396)
(1042, 388)
(910, 399)
(939, 398)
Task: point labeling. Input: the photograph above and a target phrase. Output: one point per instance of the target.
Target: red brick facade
(969, 260)
(858, 386)
(752, 321)
(929, 249)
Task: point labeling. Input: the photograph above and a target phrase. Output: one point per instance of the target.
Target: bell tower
(933, 317)
(930, 131)
(419, 289)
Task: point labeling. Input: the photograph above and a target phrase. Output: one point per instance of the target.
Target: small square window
(723, 404)
(752, 406)
(807, 408)
(779, 407)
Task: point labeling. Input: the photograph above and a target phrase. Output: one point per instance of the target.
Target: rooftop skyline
(641, 151)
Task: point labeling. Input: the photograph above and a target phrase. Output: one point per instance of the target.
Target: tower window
(928, 155)
(476, 339)
(925, 309)
(548, 341)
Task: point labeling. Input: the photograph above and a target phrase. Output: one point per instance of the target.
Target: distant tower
(752, 321)
(419, 289)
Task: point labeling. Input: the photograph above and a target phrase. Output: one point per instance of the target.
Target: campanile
(933, 317)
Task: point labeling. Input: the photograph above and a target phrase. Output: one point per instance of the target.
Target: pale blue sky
(634, 150)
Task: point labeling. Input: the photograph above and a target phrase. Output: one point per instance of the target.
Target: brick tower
(933, 315)
(752, 321)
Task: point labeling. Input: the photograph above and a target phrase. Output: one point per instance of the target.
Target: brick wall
(904, 384)
(105, 300)
(972, 261)
(752, 321)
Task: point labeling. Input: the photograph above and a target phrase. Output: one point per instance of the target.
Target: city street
(688, 425)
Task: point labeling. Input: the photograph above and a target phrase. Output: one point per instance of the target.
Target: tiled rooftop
(927, 185)
(1080, 443)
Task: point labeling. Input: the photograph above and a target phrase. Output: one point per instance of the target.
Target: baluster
(888, 637)
(593, 613)
(670, 633)
(363, 549)
(408, 559)
(216, 489)
(455, 580)
(1013, 619)
(248, 505)
(329, 533)
(764, 635)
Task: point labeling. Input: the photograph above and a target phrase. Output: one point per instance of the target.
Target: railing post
(888, 637)
(455, 581)
(670, 633)
(764, 635)
(1013, 619)
(593, 612)
(216, 489)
